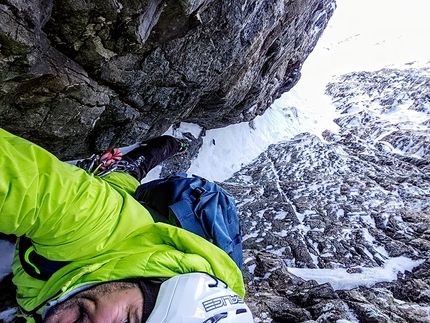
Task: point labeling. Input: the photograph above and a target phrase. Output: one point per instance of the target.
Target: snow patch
(341, 279)
(185, 127)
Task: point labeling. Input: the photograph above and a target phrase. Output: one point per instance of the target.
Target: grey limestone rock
(82, 76)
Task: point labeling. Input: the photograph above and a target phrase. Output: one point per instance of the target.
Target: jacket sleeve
(59, 205)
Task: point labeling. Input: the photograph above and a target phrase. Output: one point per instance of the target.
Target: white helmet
(198, 298)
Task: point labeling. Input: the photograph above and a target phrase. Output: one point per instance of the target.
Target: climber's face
(115, 302)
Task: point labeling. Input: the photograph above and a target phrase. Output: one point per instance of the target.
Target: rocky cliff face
(79, 76)
(345, 206)
(354, 201)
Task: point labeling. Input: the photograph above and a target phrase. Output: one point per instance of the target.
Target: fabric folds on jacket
(93, 222)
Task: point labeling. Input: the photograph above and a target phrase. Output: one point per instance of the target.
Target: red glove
(109, 156)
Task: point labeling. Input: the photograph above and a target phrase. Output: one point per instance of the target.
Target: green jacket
(95, 223)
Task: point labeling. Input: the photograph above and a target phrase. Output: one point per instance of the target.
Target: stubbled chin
(67, 315)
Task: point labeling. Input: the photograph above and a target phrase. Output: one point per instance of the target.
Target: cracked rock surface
(354, 200)
(83, 76)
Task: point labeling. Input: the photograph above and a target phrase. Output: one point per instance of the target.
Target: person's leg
(151, 153)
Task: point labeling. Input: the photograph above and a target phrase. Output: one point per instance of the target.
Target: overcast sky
(371, 34)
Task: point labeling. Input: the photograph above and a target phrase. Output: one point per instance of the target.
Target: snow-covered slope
(351, 209)
(334, 189)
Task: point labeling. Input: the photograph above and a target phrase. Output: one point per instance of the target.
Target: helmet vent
(241, 310)
(216, 318)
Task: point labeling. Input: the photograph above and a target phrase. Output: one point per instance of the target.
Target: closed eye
(83, 315)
